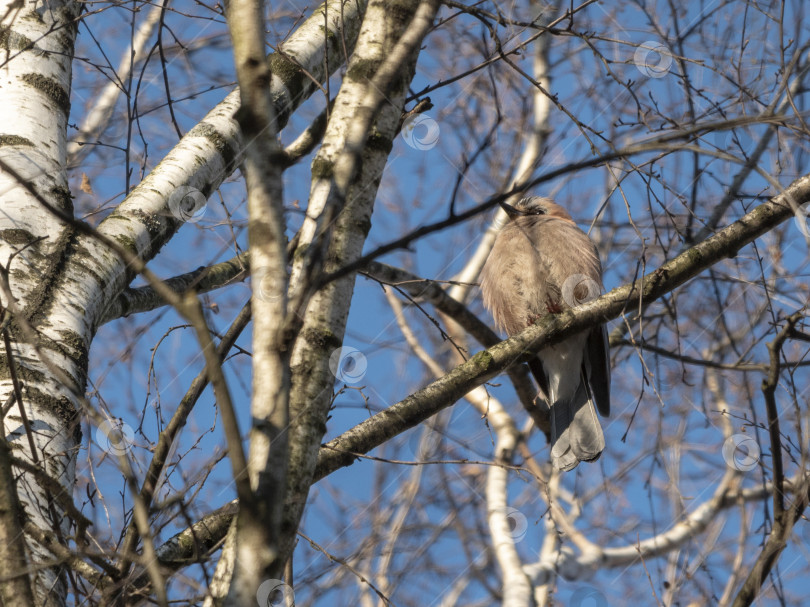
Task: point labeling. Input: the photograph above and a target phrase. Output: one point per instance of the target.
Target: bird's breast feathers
(531, 266)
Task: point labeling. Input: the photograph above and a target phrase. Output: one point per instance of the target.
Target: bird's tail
(576, 434)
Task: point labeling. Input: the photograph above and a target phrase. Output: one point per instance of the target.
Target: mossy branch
(550, 330)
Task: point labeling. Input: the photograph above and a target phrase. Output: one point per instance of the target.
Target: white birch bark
(262, 499)
(36, 49)
(60, 281)
(324, 322)
(207, 155)
(328, 309)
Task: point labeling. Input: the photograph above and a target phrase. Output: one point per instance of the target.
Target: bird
(542, 263)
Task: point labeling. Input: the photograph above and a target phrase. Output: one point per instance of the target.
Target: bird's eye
(539, 211)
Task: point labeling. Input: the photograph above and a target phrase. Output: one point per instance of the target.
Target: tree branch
(553, 329)
(783, 520)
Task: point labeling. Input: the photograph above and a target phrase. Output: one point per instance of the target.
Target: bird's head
(536, 206)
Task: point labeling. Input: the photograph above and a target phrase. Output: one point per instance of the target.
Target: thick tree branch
(431, 291)
(155, 209)
(552, 329)
(258, 529)
(202, 280)
(346, 173)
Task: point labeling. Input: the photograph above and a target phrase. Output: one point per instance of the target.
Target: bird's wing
(564, 252)
(576, 435)
(539, 373)
(596, 367)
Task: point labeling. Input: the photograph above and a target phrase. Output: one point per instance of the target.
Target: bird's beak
(511, 211)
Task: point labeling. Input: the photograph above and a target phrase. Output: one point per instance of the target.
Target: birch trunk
(46, 335)
(60, 278)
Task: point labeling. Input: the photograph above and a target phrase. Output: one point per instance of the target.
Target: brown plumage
(542, 263)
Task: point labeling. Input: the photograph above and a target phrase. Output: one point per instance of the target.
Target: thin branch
(178, 421)
(783, 519)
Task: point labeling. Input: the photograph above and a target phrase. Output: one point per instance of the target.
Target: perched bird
(542, 263)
